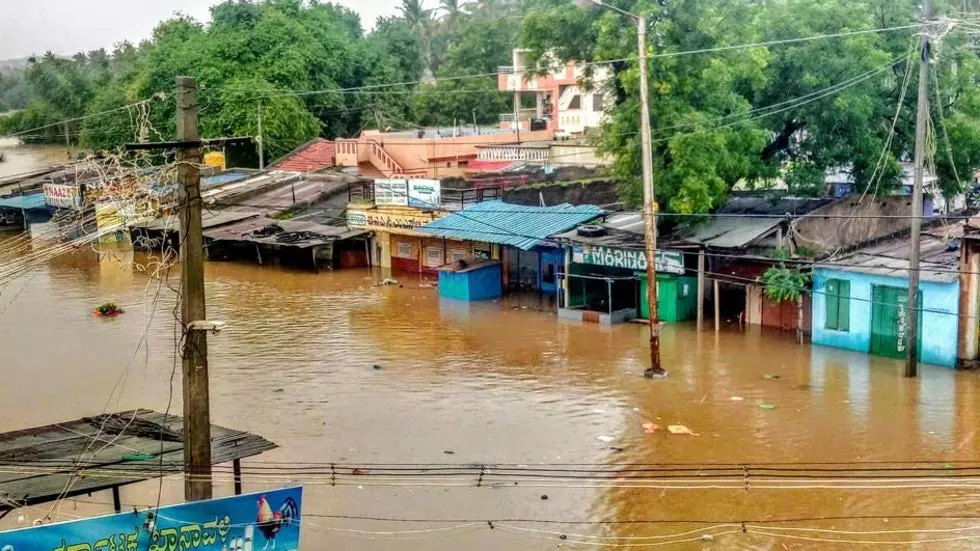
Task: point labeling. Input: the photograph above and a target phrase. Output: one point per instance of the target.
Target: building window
(433, 256)
(576, 102)
(597, 102)
(456, 256)
(404, 250)
(464, 164)
(838, 294)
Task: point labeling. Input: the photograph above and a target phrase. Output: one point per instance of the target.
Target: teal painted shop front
(865, 313)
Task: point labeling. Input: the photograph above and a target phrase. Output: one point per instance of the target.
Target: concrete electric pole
(649, 222)
(922, 119)
(649, 204)
(261, 140)
(197, 403)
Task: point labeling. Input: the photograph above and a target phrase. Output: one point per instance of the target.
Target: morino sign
(669, 262)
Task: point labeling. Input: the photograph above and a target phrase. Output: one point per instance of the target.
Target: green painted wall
(677, 297)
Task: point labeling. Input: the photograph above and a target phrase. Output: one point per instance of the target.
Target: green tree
(709, 130)
(419, 19)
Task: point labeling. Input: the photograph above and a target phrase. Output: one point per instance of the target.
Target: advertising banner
(424, 193)
(62, 196)
(391, 192)
(242, 523)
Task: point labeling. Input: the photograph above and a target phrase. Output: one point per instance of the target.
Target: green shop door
(888, 314)
(677, 298)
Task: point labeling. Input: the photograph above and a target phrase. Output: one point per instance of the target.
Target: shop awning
(24, 202)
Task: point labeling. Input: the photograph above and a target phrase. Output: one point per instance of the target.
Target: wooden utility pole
(197, 402)
(922, 119)
(700, 289)
(262, 141)
(67, 142)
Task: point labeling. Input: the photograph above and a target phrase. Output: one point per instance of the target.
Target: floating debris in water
(681, 429)
(650, 428)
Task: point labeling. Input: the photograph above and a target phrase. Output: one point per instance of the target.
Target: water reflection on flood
(485, 383)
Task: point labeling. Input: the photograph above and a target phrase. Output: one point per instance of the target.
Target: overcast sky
(67, 26)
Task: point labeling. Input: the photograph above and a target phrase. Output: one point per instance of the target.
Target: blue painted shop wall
(940, 302)
(478, 284)
(551, 261)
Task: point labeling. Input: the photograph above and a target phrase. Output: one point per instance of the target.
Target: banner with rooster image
(252, 522)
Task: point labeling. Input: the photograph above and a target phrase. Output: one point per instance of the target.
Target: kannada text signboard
(400, 192)
(244, 523)
(670, 262)
(398, 221)
(392, 192)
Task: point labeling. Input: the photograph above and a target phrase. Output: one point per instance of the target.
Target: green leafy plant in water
(108, 309)
(783, 283)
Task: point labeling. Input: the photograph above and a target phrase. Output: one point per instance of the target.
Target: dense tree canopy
(736, 97)
(833, 100)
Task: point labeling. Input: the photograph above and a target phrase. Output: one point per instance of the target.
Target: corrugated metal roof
(939, 257)
(133, 432)
(520, 226)
(25, 202)
(756, 217)
(623, 229)
(731, 232)
(286, 233)
(773, 204)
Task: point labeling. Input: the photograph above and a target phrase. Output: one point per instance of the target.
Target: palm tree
(420, 19)
(416, 15)
(452, 8)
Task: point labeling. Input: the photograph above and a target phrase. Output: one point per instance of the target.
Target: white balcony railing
(523, 115)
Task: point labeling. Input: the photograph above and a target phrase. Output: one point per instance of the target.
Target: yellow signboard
(109, 222)
(396, 220)
(215, 159)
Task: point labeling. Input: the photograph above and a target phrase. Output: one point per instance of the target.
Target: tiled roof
(311, 157)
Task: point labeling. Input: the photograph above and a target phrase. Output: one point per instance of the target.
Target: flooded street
(21, 158)
(487, 383)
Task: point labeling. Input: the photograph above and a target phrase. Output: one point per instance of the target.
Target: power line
(293, 92)
(85, 117)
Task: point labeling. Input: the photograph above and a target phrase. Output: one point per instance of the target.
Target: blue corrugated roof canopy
(24, 202)
(502, 223)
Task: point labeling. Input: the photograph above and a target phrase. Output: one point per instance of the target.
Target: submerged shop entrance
(599, 294)
(533, 270)
(889, 307)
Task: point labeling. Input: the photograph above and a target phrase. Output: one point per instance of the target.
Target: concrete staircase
(383, 161)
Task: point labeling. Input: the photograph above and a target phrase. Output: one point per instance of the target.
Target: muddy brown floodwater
(20, 158)
(492, 384)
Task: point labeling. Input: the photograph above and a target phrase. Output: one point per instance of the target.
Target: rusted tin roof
(132, 446)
